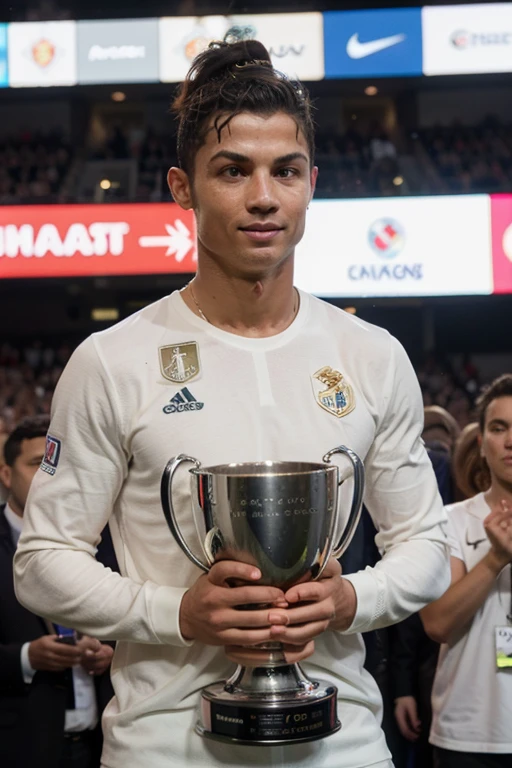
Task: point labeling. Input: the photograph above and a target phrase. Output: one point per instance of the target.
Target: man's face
(17, 478)
(250, 193)
(496, 441)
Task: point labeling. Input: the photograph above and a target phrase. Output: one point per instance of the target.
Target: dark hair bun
(220, 58)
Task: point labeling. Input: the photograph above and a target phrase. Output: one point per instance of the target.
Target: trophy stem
(269, 681)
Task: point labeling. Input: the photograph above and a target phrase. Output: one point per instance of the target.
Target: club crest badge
(336, 396)
(179, 362)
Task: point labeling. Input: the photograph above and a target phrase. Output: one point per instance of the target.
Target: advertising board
(467, 39)
(121, 51)
(406, 246)
(376, 43)
(294, 41)
(81, 240)
(41, 53)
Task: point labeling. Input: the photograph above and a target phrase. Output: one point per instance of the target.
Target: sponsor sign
(3, 56)
(295, 41)
(376, 43)
(42, 53)
(467, 39)
(78, 240)
(124, 51)
(501, 226)
(416, 246)
(419, 246)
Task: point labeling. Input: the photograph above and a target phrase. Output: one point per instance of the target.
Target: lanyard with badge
(504, 637)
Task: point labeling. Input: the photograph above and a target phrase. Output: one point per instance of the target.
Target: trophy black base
(268, 721)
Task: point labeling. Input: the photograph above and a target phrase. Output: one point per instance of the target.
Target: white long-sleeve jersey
(115, 424)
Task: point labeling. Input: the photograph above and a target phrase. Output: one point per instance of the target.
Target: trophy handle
(357, 499)
(168, 507)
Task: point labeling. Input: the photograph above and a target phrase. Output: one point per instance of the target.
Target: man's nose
(261, 194)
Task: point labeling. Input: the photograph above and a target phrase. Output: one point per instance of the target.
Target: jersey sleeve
(403, 500)
(70, 501)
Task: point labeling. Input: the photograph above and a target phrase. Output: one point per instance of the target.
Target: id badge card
(503, 642)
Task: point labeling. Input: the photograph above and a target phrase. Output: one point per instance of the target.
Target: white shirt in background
(471, 698)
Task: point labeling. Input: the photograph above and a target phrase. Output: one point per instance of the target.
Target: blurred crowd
(453, 387)
(456, 159)
(358, 164)
(28, 376)
(33, 168)
(470, 159)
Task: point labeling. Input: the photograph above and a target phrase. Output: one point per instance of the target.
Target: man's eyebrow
(497, 423)
(290, 158)
(238, 158)
(234, 156)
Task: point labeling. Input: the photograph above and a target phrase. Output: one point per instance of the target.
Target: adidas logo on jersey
(184, 400)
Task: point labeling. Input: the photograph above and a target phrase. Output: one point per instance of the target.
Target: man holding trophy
(212, 430)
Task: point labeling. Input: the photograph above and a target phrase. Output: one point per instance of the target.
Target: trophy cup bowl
(281, 517)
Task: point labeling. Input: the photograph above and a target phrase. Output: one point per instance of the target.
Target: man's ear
(180, 187)
(5, 475)
(313, 179)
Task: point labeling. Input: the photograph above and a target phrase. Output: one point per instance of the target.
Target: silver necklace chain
(203, 316)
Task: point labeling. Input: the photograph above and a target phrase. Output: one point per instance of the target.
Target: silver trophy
(282, 517)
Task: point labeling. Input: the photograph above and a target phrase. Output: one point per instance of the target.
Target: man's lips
(262, 231)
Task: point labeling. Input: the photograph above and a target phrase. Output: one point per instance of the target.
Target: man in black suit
(53, 685)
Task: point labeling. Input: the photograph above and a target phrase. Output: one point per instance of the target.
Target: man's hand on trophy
(254, 657)
(314, 606)
(210, 610)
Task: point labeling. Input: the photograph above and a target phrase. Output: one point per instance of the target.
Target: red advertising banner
(160, 238)
(501, 228)
(93, 240)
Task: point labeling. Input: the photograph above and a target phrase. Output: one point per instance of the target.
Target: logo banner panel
(294, 41)
(467, 39)
(124, 51)
(501, 223)
(4, 81)
(42, 53)
(377, 43)
(81, 240)
(407, 246)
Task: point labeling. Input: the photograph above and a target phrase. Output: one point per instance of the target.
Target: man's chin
(253, 263)
(260, 264)
(265, 255)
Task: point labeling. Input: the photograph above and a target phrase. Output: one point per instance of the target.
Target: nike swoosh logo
(358, 50)
(475, 543)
